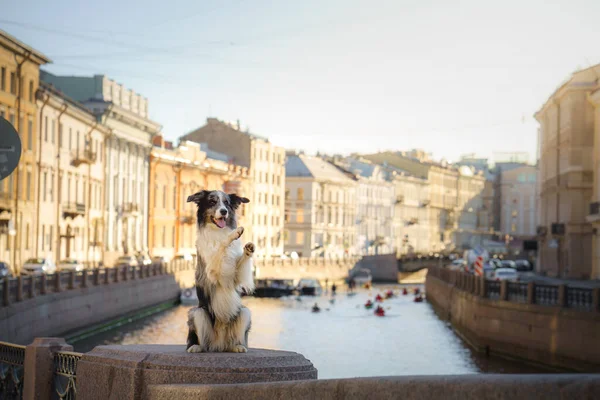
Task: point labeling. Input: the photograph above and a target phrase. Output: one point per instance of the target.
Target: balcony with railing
(85, 156)
(73, 210)
(594, 212)
(187, 217)
(5, 203)
(129, 209)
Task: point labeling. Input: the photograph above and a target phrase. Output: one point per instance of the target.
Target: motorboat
(369, 304)
(418, 298)
(378, 298)
(189, 296)
(316, 308)
(309, 287)
(404, 292)
(389, 294)
(379, 311)
(274, 288)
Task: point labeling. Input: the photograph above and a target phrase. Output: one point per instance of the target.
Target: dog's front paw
(238, 348)
(235, 235)
(194, 349)
(249, 249)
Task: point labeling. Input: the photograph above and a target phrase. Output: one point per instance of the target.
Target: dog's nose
(223, 211)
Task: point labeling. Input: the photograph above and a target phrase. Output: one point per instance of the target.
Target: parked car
(5, 270)
(506, 274)
(160, 260)
(509, 264)
(126, 260)
(457, 265)
(38, 266)
(495, 263)
(143, 259)
(70, 264)
(523, 265)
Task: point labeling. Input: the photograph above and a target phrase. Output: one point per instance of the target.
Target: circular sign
(10, 148)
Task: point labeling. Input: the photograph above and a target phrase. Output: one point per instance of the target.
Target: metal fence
(576, 298)
(26, 287)
(65, 375)
(12, 359)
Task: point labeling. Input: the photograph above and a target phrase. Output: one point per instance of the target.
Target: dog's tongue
(220, 222)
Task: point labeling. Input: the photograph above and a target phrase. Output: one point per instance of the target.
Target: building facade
(518, 188)
(265, 162)
(70, 180)
(566, 177)
(594, 208)
(320, 208)
(126, 157)
(473, 217)
(175, 174)
(411, 214)
(19, 80)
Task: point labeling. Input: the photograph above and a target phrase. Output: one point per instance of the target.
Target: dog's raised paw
(238, 348)
(235, 235)
(249, 248)
(194, 349)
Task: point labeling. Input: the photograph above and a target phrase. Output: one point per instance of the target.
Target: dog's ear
(197, 197)
(237, 200)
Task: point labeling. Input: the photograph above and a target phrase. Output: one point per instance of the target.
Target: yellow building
(567, 177)
(176, 173)
(19, 79)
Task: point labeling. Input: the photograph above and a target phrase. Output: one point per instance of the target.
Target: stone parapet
(453, 387)
(127, 372)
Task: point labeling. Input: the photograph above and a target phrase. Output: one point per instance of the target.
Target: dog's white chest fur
(209, 241)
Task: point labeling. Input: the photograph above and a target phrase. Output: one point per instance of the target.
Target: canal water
(344, 340)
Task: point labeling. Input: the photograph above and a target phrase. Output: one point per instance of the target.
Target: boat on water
(369, 304)
(274, 288)
(188, 297)
(309, 287)
(361, 277)
(316, 308)
(379, 311)
(378, 298)
(418, 298)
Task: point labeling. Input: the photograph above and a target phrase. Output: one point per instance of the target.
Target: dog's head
(216, 208)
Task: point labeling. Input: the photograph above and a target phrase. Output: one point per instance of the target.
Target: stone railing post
(154, 270)
(504, 290)
(596, 299)
(97, 276)
(20, 288)
(72, 280)
(106, 276)
(32, 286)
(6, 292)
(562, 295)
(117, 272)
(43, 286)
(135, 273)
(126, 271)
(39, 367)
(57, 287)
(482, 286)
(84, 279)
(531, 293)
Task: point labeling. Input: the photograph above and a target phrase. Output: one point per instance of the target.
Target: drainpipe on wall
(39, 171)
(89, 196)
(59, 188)
(17, 238)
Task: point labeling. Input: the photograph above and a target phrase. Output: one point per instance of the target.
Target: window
(173, 237)
(300, 216)
(77, 190)
(27, 237)
(46, 129)
(13, 83)
(44, 188)
(299, 237)
(260, 197)
(60, 135)
(174, 196)
(31, 91)
(11, 118)
(43, 237)
(53, 130)
(51, 237)
(70, 138)
(30, 135)
(28, 186)
(287, 194)
(3, 78)
(286, 216)
(164, 234)
(77, 146)
(300, 194)
(164, 198)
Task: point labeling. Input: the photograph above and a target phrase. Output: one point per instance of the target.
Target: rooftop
(301, 165)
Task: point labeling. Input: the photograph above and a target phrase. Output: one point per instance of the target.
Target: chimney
(158, 141)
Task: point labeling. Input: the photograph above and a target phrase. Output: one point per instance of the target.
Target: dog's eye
(213, 202)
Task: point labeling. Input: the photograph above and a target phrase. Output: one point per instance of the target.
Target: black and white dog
(223, 270)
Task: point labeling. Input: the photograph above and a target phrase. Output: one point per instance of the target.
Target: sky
(336, 76)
